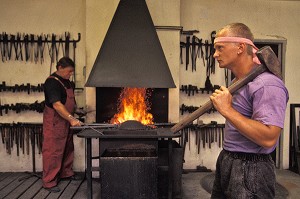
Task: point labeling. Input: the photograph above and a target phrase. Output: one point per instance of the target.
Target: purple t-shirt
(264, 99)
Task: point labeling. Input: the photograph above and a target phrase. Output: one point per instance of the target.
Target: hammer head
(269, 59)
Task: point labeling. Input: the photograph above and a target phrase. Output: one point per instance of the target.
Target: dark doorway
(107, 103)
(273, 46)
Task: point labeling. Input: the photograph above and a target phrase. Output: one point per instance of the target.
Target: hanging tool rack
(197, 48)
(30, 47)
(20, 107)
(204, 135)
(21, 137)
(192, 89)
(21, 88)
(184, 108)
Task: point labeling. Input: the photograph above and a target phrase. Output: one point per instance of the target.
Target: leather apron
(58, 146)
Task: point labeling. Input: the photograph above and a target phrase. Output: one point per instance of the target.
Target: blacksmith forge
(136, 160)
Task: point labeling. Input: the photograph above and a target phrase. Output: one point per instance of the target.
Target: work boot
(73, 177)
(54, 189)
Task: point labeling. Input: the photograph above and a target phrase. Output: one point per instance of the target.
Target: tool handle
(208, 105)
(248, 78)
(191, 117)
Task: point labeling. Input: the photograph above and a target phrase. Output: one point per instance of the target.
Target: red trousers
(58, 148)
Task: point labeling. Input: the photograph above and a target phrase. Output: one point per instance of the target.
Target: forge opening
(107, 103)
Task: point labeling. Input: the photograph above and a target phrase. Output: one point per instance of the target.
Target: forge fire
(133, 105)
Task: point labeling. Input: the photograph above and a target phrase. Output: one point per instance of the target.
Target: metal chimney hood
(131, 54)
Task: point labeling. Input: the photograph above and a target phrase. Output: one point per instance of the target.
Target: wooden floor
(26, 186)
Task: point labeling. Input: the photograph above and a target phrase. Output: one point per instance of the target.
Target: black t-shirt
(54, 91)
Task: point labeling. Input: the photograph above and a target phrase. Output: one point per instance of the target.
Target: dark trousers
(244, 176)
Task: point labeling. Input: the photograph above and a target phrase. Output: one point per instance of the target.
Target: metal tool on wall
(192, 89)
(205, 135)
(33, 46)
(19, 107)
(184, 108)
(210, 63)
(22, 138)
(193, 48)
(21, 88)
(20, 135)
(189, 89)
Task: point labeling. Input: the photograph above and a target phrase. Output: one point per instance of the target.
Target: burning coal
(133, 105)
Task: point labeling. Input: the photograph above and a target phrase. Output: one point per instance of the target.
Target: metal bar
(99, 157)
(169, 28)
(33, 148)
(170, 168)
(89, 168)
(47, 41)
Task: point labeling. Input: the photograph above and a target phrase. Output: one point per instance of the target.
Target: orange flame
(133, 105)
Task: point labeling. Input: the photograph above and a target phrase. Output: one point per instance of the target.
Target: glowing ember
(133, 105)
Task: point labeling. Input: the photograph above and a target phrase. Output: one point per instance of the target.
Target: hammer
(269, 62)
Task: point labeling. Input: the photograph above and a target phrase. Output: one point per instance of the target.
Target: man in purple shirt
(254, 120)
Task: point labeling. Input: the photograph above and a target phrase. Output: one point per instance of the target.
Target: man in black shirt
(55, 91)
(58, 146)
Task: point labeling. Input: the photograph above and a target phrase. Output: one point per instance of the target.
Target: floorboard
(7, 179)
(4, 175)
(62, 185)
(33, 190)
(21, 188)
(43, 193)
(81, 192)
(71, 189)
(24, 186)
(12, 183)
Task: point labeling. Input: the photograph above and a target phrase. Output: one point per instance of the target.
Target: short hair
(238, 30)
(65, 62)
